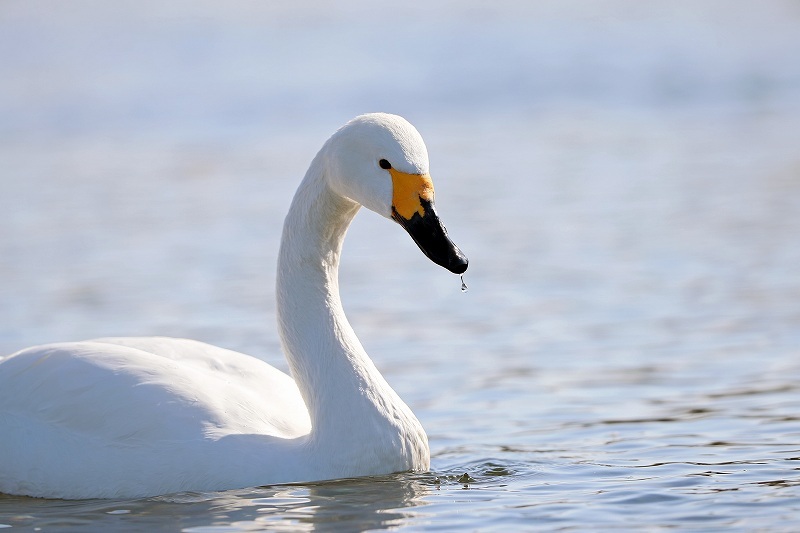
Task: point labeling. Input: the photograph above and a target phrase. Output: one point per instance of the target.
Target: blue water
(624, 177)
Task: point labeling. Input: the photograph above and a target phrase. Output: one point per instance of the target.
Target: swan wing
(124, 391)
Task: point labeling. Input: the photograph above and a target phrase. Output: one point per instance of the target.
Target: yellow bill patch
(408, 190)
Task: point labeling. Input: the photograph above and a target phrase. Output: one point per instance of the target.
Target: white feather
(133, 417)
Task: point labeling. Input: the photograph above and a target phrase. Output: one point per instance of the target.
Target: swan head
(380, 161)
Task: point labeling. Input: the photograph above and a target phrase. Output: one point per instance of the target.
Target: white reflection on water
(624, 177)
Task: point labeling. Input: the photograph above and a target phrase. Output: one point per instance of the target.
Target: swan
(134, 417)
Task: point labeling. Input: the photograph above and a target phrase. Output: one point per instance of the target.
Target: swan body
(135, 417)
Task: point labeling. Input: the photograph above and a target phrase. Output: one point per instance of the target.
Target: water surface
(624, 177)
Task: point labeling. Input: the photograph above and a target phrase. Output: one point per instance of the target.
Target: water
(624, 177)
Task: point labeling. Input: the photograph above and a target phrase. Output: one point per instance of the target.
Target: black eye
(385, 164)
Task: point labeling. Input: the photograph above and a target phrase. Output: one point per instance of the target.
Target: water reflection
(353, 505)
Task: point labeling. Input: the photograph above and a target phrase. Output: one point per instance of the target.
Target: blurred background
(623, 175)
(148, 151)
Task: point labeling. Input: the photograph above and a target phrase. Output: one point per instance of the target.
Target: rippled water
(624, 177)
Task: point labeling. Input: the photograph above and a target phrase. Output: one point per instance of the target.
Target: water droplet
(463, 285)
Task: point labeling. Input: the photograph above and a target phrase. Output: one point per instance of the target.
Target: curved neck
(354, 413)
(317, 339)
(330, 366)
(359, 424)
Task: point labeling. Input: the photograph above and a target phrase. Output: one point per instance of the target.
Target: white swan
(133, 417)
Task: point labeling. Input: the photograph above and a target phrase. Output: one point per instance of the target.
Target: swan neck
(320, 346)
(354, 413)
